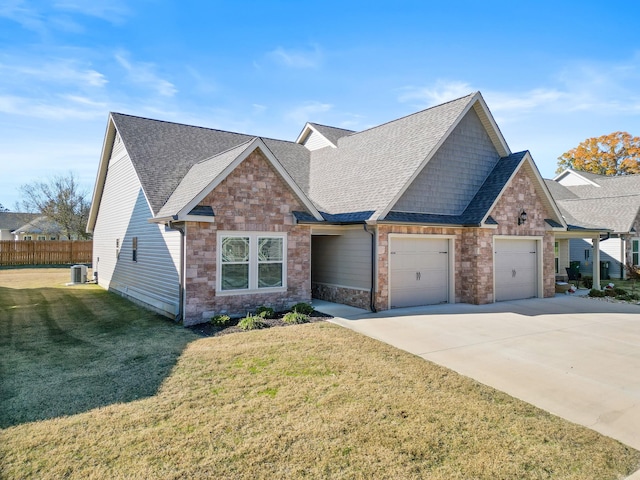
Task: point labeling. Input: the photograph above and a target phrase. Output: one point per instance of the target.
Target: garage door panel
(419, 271)
(516, 269)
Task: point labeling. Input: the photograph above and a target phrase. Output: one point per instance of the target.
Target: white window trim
(253, 262)
(635, 239)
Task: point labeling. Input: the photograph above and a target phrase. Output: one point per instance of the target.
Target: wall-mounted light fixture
(522, 218)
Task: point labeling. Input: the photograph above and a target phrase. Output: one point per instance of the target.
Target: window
(555, 253)
(134, 249)
(41, 237)
(251, 261)
(635, 252)
(27, 237)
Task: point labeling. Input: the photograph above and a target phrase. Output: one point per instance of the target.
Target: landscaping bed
(210, 330)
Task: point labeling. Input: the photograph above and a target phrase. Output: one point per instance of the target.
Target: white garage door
(516, 269)
(419, 271)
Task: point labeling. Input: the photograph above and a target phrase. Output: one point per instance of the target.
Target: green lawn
(94, 387)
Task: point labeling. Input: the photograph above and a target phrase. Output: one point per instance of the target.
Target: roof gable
(13, 220)
(315, 136)
(204, 176)
(370, 169)
(475, 157)
(598, 201)
(572, 177)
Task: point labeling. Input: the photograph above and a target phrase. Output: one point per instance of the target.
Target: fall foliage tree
(615, 154)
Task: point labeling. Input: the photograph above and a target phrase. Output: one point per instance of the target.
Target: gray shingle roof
(482, 202)
(163, 152)
(614, 204)
(369, 168)
(333, 134)
(12, 220)
(39, 225)
(351, 183)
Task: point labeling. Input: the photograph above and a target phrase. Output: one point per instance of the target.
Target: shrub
(220, 320)
(588, 281)
(295, 317)
(609, 292)
(303, 308)
(596, 293)
(620, 291)
(251, 322)
(265, 312)
(628, 297)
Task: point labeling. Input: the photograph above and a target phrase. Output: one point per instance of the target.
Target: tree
(61, 201)
(3, 209)
(615, 154)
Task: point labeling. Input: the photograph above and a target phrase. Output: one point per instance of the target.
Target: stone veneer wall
(474, 246)
(347, 296)
(252, 198)
(521, 194)
(382, 288)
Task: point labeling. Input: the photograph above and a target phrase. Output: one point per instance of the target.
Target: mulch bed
(208, 330)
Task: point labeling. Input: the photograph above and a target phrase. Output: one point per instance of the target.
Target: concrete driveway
(577, 358)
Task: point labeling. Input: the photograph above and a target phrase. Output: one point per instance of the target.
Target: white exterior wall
(342, 260)
(124, 212)
(315, 141)
(470, 149)
(610, 251)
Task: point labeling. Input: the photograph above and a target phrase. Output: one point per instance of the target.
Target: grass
(305, 401)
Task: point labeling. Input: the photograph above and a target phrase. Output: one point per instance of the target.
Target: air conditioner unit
(79, 274)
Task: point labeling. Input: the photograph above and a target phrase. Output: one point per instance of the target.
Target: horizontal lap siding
(343, 260)
(123, 215)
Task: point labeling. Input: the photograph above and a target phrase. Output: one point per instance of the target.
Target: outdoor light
(522, 218)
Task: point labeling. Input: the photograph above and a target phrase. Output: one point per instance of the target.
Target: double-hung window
(635, 251)
(251, 262)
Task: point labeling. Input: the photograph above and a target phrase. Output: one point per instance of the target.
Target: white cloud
(311, 58)
(442, 91)
(62, 71)
(143, 74)
(113, 11)
(20, 12)
(63, 108)
(305, 112)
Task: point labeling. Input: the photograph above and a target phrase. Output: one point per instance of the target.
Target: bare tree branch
(61, 201)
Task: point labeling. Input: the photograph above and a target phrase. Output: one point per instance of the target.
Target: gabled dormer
(315, 136)
(570, 178)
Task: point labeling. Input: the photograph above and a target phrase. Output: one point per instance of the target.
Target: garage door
(419, 271)
(516, 269)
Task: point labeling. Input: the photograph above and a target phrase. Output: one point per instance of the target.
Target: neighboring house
(39, 228)
(9, 221)
(426, 209)
(611, 204)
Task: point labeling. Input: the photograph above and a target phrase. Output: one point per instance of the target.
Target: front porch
(562, 253)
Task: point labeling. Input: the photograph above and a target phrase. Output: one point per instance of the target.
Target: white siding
(316, 141)
(123, 215)
(470, 149)
(610, 251)
(342, 260)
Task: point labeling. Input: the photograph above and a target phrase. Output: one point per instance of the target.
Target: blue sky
(552, 73)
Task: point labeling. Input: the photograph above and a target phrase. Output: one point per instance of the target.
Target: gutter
(372, 302)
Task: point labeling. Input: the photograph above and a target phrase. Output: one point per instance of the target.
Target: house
(10, 221)
(38, 228)
(611, 204)
(426, 209)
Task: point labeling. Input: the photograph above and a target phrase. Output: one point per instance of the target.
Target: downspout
(182, 230)
(372, 302)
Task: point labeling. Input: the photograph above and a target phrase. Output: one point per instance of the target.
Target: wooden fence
(39, 252)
